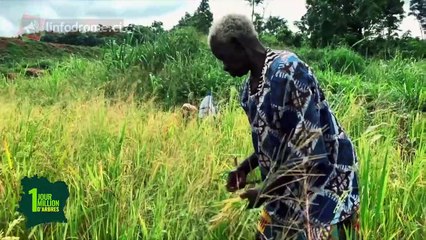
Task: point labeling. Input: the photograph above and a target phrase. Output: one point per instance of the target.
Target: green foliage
(269, 40)
(418, 10)
(162, 66)
(258, 23)
(406, 78)
(16, 55)
(204, 17)
(182, 41)
(335, 22)
(107, 118)
(275, 25)
(140, 34)
(406, 47)
(392, 15)
(98, 125)
(181, 83)
(341, 60)
(312, 56)
(344, 60)
(274, 31)
(161, 70)
(368, 28)
(151, 55)
(186, 20)
(121, 55)
(73, 38)
(201, 19)
(116, 155)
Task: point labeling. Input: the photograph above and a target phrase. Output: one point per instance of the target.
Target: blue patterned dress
(295, 134)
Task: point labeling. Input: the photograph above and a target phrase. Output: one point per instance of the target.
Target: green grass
(16, 55)
(135, 170)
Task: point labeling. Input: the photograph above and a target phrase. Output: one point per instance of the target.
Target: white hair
(232, 26)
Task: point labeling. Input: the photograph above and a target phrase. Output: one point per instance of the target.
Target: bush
(176, 68)
(344, 60)
(183, 42)
(152, 55)
(269, 40)
(404, 81)
(381, 48)
(179, 83)
(312, 56)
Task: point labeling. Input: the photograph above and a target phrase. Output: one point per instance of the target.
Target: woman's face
(233, 56)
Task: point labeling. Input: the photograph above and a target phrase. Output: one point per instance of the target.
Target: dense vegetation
(110, 127)
(369, 28)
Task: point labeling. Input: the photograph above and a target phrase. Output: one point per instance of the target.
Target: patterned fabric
(295, 132)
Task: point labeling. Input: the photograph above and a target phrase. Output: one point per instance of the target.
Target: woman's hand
(236, 180)
(253, 197)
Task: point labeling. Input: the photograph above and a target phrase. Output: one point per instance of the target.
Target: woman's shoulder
(284, 59)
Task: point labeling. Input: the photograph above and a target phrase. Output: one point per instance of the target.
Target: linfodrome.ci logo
(31, 26)
(34, 27)
(42, 201)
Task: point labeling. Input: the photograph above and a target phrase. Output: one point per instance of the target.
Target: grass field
(16, 54)
(137, 171)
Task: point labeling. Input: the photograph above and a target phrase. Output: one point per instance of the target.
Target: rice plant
(137, 171)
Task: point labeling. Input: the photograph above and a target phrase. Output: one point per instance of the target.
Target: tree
(418, 10)
(393, 13)
(274, 24)
(253, 4)
(275, 30)
(186, 20)
(157, 27)
(258, 23)
(324, 20)
(278, 27)
(204, 17)
(201, 19)
(302, 25)
(348, 21)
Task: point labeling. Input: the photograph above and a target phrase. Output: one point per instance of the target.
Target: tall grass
(177, 68)
(136, 171)
(139, 172)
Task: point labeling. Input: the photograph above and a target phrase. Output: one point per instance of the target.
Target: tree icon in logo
(31, 27)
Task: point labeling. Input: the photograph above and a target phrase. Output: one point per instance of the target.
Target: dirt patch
(11, 75)
(3, 43)
(18, 41)
(34, 72)
(58, 45)
(17, 54)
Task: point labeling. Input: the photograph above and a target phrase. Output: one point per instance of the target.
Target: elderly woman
(307, 162)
